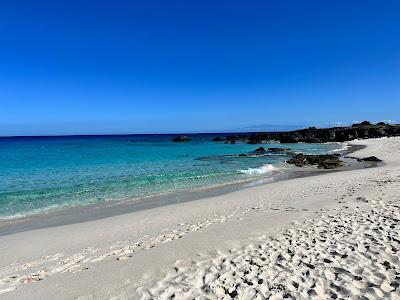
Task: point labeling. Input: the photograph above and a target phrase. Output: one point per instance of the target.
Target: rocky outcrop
(370, 158)
(258, 138)
(233, 138)
(326, 161)
(367, 159)
(181, 138)
(363, 130)
(260, 150)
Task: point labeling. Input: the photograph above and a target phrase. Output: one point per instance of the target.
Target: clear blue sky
(156, 66)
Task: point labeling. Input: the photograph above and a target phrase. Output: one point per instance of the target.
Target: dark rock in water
(181, 138)
(218, 139)
(326, 161)
(278, 149)
(260, 150)
(370, 158)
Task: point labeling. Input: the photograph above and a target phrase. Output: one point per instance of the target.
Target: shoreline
(90, 212)
(163, 251)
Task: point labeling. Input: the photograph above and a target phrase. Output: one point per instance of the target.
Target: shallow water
(44, 173)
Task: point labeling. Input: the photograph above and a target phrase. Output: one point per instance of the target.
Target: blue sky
(159, 66)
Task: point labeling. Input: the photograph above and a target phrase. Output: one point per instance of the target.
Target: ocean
(43, 174)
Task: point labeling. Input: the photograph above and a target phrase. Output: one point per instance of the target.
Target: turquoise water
(40, 174)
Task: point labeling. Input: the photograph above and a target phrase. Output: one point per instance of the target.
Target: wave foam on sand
(259, 171)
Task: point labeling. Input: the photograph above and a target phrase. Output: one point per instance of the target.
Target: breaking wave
(258, 171)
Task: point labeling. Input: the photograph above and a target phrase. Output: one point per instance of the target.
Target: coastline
(130, 253)
(75, 172)
(95, 211)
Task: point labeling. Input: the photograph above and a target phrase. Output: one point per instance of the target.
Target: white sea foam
(343, 146)
(258, 171)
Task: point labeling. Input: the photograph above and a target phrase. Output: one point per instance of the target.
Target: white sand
(332, 235)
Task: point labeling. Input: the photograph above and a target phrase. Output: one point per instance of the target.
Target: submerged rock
(325, 161)
(278, 149)
(260, 150)
(181, 138)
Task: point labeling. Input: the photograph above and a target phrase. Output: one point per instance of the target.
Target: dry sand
(334, 235)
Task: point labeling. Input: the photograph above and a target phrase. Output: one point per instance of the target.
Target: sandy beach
(330, 236)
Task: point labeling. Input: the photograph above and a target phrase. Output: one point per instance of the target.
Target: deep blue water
(43, 173)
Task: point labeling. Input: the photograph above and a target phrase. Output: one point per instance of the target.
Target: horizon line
(236, 130)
